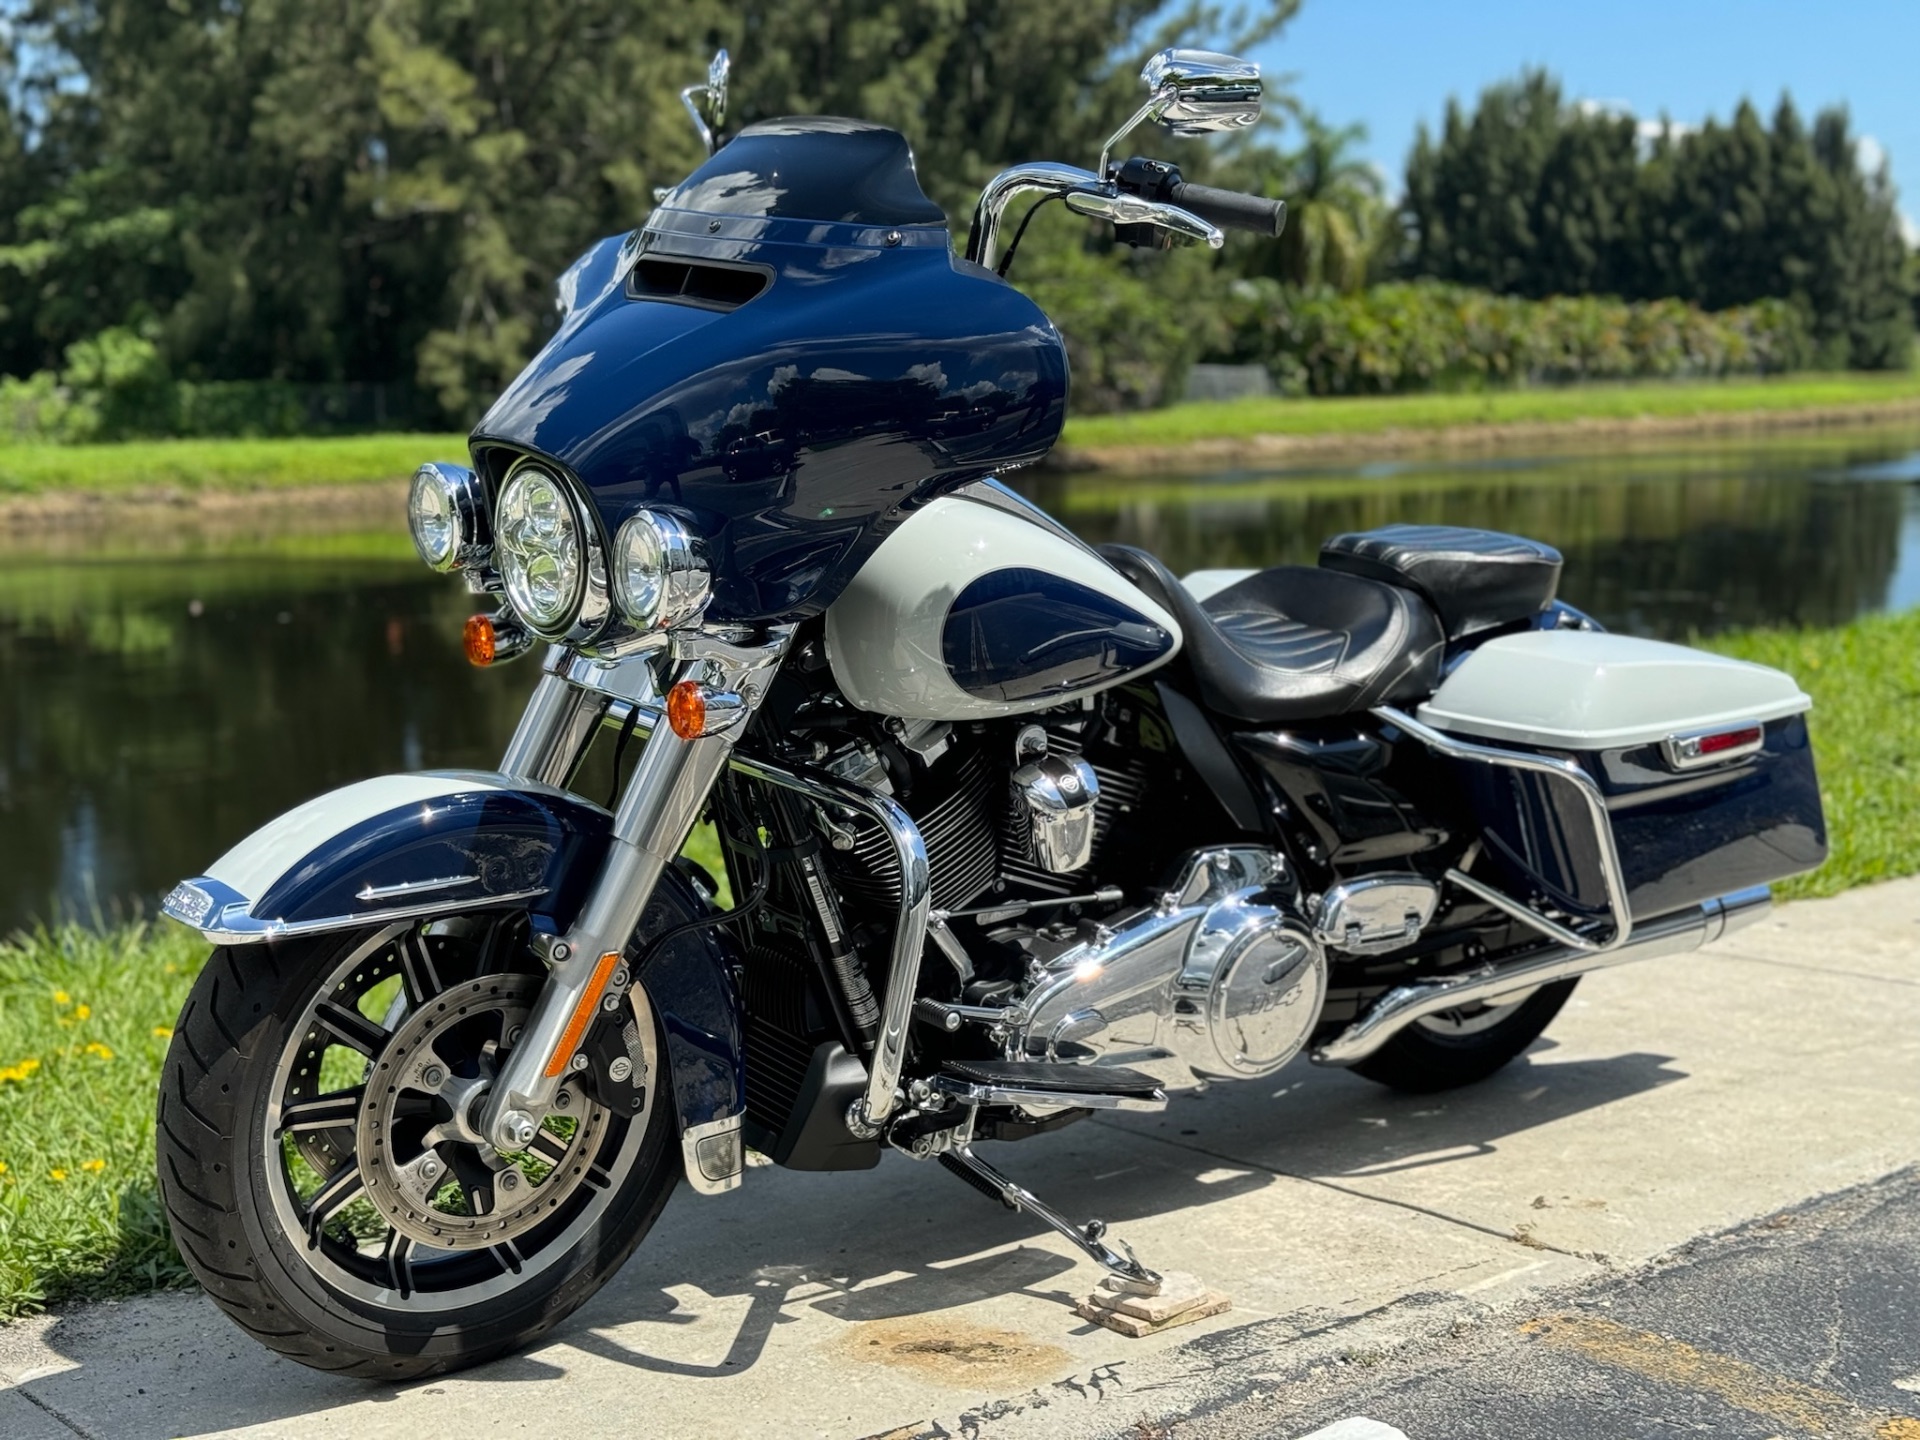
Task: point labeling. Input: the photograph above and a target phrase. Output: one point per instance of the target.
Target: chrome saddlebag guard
(405, 847)
(1610, 773)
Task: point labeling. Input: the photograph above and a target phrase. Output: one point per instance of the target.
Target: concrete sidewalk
(1669, 1100)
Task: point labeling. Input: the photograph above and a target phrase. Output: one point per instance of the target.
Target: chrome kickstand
(1090, 1237)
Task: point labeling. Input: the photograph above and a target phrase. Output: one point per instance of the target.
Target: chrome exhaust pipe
(1668, 935)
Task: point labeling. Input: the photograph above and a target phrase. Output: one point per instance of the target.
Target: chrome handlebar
(1083, 192)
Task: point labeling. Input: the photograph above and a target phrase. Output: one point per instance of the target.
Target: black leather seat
(1476, 579)
(1295, 643)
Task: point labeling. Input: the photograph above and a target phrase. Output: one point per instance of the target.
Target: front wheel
(321, 1172)
(1459, 1047)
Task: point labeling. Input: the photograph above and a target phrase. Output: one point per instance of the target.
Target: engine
(1218, 975)
(1081, 915)
(1218, 978)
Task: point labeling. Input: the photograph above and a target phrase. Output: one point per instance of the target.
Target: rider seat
(1474, 579)
(1295, 643)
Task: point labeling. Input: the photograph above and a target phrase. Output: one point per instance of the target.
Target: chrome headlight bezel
(661, 580)
(588, 605)
(454, 491)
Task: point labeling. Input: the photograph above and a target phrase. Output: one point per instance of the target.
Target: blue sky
(1393, 63)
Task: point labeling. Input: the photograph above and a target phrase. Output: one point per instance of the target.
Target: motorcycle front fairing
(788, 354)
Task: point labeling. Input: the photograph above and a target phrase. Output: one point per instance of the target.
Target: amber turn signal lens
(479, 640)
(687, 709)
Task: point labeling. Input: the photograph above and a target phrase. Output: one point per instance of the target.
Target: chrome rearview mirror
(707, 103)
(1194, 92)
(1199, 91)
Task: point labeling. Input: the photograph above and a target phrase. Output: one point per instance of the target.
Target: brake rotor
(427, 1170)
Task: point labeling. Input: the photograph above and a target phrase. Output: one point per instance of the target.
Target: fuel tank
(978, 606)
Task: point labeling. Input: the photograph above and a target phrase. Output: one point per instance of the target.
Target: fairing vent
(696, 282)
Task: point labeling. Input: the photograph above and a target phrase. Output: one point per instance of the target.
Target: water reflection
(1804, 533)
(154, 710)
(152, 713)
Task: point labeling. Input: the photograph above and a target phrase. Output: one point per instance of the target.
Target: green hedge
(116, 386)
(1426, 335)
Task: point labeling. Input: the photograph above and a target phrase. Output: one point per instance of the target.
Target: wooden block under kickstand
(1179, 1299)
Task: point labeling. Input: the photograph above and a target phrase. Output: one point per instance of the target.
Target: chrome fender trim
(396, 848)
(1668, 935)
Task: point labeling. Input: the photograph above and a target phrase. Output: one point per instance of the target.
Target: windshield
(812, 168)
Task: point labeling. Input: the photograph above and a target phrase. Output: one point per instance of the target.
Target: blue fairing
(796, 428)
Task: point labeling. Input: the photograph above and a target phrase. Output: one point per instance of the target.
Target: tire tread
(236, 1012)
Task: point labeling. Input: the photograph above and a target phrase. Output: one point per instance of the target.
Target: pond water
(163, 694)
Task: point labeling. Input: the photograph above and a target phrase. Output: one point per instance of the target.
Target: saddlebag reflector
(1704, 764)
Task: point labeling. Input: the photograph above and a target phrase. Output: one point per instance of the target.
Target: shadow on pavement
(706, 1290)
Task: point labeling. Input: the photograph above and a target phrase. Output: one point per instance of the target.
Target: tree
(383, 190)
(1336, 217)
(1535, 197)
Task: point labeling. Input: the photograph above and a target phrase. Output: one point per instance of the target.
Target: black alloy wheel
(322, 1174)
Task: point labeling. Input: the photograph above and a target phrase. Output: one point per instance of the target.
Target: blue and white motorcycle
(1015, 830)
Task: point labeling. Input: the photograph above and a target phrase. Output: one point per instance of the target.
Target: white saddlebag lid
(1581, 690)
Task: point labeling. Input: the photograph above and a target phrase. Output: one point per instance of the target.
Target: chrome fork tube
(587, 967)
(554, 728)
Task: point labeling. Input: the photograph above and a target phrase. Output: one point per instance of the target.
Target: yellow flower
(60, 997)
(162, 1032)
(82, 1012)
(3, 1167)
(93, 1167)
(59, 1175)
(19, 1072)
(94, 1047)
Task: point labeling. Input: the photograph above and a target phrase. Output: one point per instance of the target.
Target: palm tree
(1336, 217)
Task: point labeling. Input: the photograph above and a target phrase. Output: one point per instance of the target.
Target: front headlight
(541, 551)
(660, 575)
(446, 517)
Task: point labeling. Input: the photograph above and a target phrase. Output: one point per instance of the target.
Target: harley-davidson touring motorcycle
(1015, 830)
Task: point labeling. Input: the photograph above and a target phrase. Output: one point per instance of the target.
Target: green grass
(215, 465)
(85, 1018)
(84, 1023)
(195, 465)
(1360, 415)
(1865, 682)
(83, 1015)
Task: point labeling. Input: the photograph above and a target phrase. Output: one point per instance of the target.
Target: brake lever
(1124, 209)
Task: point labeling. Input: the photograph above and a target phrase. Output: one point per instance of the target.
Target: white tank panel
(888, 635)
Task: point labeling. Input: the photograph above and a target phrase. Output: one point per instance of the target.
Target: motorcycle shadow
(908, 1240)
(899, 1248)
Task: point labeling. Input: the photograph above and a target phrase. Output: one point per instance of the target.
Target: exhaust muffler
(1668, 935)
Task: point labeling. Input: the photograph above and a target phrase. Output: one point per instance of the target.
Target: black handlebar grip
(1231, 209)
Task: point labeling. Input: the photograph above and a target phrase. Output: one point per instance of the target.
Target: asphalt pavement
(1805, 1323)
(1653, 1224)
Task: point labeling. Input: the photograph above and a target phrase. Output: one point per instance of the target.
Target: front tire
(320, 1172)
(1463, 1047)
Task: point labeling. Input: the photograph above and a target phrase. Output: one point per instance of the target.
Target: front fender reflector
(584, 1010)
